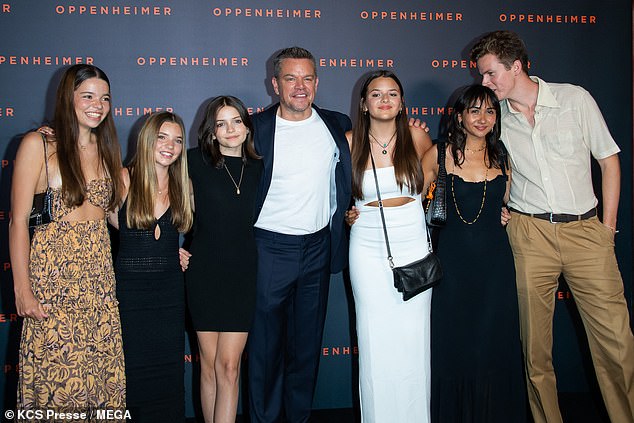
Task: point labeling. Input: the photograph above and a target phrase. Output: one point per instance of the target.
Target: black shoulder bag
(41, 211)
(436, 212)
(415, 277)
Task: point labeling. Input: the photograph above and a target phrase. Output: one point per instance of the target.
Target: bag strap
(442, 149)
(387, 241)
(48, 186)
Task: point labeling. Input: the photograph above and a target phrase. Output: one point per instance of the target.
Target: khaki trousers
(583, 252)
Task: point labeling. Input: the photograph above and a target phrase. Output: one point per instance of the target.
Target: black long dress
(151, 296)
(476, 360)
(221, 276)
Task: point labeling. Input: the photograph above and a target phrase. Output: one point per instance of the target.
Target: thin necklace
(476, 150)
(383, 145)
(162, 190)
(84, 147)
(233, 180)
(484, 195)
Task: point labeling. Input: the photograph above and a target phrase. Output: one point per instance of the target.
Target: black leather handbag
(418, 276)
(41, 212)
(436, 212)
(415, 277)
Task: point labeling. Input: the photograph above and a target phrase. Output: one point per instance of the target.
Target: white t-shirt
(298, 201)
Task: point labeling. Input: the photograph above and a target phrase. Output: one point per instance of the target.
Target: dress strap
(45, 159)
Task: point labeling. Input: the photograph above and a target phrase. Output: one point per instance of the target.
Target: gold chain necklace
(484, 194)
(233, 180)
(383, 145)
(476, 150)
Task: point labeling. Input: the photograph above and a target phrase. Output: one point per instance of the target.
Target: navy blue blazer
(338, 124)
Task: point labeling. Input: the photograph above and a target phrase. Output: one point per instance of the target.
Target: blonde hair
(144, 184)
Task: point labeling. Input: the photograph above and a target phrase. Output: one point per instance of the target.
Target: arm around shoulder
(422, 140)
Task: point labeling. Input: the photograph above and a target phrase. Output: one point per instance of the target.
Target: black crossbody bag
(415, 277)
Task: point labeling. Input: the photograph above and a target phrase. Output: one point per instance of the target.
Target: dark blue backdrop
(177, 55)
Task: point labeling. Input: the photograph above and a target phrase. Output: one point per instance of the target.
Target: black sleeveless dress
(151, 298)
(221, 276)
(476, 360)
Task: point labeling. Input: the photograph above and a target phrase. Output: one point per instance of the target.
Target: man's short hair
(507, 46)
(292, 53)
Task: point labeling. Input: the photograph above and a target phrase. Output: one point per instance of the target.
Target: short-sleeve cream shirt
(551, 161)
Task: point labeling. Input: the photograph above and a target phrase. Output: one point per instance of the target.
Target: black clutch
(419, 276)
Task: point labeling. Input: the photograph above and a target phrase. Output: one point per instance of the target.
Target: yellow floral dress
(73, 360)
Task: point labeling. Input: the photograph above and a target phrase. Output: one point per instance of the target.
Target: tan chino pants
(583, 252)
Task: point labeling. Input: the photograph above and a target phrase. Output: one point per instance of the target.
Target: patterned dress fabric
(72, 361)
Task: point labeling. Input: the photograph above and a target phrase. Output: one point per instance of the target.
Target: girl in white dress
(393, 335)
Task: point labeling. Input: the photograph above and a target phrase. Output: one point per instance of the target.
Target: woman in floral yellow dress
(71, 356)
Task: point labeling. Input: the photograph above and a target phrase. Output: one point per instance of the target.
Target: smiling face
(169, 144)
(230, 131)
(92, 102)
(478, 119)
(296, 86)
(383, 99)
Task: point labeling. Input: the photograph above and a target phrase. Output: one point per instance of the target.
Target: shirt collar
(545, 97)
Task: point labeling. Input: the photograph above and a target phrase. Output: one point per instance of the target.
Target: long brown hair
(143, 179)
(407, 166)
(67, 133)
(207, 131)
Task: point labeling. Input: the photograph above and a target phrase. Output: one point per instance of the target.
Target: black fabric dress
(221, 276)
(151, 298)
(476, 362)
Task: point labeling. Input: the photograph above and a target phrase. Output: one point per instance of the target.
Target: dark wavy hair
(209, 146)
(67, 133)
(406, 162)
(456, 137)
(507, 46)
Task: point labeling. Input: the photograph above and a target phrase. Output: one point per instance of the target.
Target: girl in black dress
(156, 208)
(225, 171)
(476, 363)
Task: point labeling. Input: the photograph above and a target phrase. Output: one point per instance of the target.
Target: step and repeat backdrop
(176, 55)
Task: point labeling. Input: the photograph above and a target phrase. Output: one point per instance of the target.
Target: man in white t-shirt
(300, 235)
(551, 131)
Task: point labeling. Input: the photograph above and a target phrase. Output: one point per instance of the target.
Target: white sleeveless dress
(393, 335)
